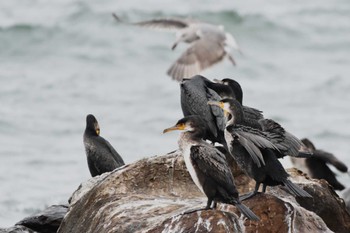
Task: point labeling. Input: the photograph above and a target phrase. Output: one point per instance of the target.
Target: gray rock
(17, 229)
(345, 194)
(152, 195)
(46, 221)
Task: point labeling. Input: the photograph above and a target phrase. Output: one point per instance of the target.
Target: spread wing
(253, 141)
(172, 24)
(164, 24)
(213, 163)
(286, 142)
(202, 54)
(252, 113)
(330, 158)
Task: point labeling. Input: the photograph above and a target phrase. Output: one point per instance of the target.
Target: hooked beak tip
(174, 46)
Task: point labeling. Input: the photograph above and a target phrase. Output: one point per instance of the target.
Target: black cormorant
(254, 150)
(207, 165)
(289, 144)
(316, 166)
(101, 156)
(194, 97)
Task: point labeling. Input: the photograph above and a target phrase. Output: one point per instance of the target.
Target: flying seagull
(210, 44)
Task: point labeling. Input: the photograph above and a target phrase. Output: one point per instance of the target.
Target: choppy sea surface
(63, 59)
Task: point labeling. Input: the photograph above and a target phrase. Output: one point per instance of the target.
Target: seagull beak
(176, 127)
(231, 59)
(174, 45)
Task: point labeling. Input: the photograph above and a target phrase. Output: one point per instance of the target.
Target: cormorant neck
(236, 114)
(237, 90)
(230, 121)
(190, 137)
(90, 132)
(239, 97)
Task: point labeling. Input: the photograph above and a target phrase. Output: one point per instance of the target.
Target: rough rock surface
(345, 194)
(46, 221)
(152, 195)
(17, 229)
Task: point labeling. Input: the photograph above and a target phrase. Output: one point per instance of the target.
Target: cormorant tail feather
(295, 189)
(247, 212)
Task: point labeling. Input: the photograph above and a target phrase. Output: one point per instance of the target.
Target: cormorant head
(232, 109)
(235, 87)
(193, 124)
(92, 126)
(223, 90)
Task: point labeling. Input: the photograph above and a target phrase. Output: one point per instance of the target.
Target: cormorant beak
(217, 103)
(220, 105)
(176, 127)
(97, 128)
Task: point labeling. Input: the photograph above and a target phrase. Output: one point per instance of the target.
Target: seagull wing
(164, 24)
(202, 54)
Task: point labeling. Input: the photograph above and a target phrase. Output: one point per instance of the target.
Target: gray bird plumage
(194, 97)
(287, 142)
(210, 44)
(101, 156)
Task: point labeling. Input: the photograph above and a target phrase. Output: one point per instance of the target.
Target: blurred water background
(63, 59)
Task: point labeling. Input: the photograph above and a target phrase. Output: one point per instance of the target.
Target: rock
(151, 195)
(326, 204)
(46, 221)
(17, 229)
(85, 187)
(345, 194)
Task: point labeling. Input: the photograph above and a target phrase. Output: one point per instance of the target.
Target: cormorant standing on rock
(316, 166)
(101, 156)
(254, 150)
(207, 165)
(292, 146)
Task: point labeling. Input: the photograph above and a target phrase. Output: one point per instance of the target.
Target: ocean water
(63, 59)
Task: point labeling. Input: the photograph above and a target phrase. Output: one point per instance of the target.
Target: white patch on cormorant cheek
(190, 168)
